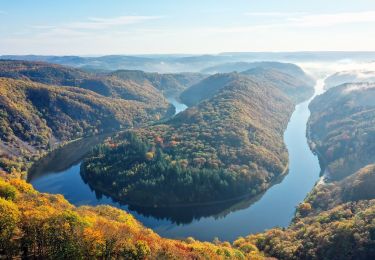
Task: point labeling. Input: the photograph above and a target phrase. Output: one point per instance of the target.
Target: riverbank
(228, 221)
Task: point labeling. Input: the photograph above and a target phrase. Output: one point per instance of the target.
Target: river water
(276, 207)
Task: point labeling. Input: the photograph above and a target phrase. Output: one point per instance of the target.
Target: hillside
(357, 186)
(287, 68)
(106, 85)
(343, 77)
(294, 87)
(229, 143)
(44, 226)
(170, 84)
(344, 232)
(207, 88)
(227, 146)
(297, 85)
(342, 128)
(38, 225)
(336, 220)
(36, 117)
(46, 73)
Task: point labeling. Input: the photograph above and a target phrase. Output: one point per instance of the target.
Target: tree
(7, 191)
(9, 219)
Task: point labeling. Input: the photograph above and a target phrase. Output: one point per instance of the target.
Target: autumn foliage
(226, 146)
(38, 225)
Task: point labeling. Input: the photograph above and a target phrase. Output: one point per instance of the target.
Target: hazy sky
(184, 26)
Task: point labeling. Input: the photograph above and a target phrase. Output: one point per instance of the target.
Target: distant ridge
(164, 63)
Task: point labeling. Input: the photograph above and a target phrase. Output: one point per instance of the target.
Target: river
(227, 221)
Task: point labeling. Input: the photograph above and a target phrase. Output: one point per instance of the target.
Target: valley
(228, 220)
(187, 130)
(262, 169)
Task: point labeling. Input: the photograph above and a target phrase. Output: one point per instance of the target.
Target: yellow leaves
(9, 219)
(150, 155)
(93, 241)
(7, 191)
(247, 247)
(9, 232)
(37, 218)
(49, 223)
(22, 185)
(59, 199)
(9, 214)
(89, 234)
(113, 214)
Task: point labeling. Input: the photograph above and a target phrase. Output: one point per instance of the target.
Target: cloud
(88, 30)
(302, 19)
(321, 20)
(93, 23)
(236, 29)
(42, 27)
(103, 23)
(287, 20)
(254, 31)
(273, 14)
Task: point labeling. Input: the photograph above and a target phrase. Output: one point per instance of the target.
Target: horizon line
(192, 54)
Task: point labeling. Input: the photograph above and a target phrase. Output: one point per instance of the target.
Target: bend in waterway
(275, 207)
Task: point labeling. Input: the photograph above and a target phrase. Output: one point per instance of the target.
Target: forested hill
(342, 128)
(36, 117)
(43, 226)
(336, 220)
(46, 73)
(171, 84)
(207, 88)
(106, 85)
(287, 68)
(296, 85)
(345, 231)
(356, 187)
(228, 145)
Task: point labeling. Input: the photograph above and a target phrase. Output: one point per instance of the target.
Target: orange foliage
(50, 227)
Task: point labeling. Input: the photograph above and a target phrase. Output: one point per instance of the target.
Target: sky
(98, 27)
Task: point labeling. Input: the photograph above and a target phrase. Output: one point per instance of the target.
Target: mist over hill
(190, 63)
(289, 78)
(342, 77)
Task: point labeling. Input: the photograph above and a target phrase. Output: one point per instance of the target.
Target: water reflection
(53, 174)
(59, 173)
(64, 158)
